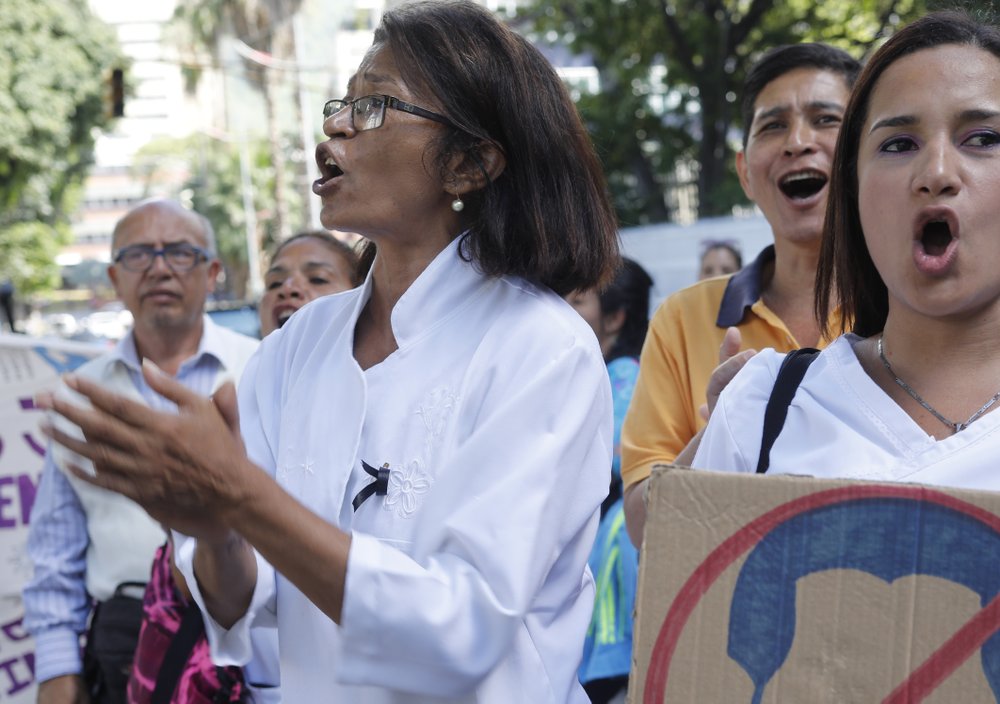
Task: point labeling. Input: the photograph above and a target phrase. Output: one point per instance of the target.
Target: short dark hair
(845, 264)
(780, 60)
(345, 251)
(628, 291)
(547, 217)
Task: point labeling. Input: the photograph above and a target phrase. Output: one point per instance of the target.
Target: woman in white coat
(425, 456)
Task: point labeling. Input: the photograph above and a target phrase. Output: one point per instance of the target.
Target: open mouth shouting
(282, 313)
(935, 240)
(803, 186)
(329, 171)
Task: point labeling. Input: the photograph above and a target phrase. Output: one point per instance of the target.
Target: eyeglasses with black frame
(179, 256)
(368, 111)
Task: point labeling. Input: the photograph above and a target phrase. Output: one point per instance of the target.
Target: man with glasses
(91, 546)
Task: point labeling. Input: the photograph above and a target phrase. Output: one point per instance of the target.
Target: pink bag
(172, 663)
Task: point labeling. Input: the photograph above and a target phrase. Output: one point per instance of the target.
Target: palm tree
(265, 28)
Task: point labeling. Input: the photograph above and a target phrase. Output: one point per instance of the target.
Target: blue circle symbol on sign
(888, 538)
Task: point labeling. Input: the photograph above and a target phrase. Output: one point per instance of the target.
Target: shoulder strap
(790, 374)
(176, 657)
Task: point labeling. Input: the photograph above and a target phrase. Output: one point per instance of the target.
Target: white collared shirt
(467, 579)
(842, 424)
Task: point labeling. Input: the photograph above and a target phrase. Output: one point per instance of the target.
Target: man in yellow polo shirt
(793, 101)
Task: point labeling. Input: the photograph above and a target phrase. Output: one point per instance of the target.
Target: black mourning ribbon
(380, 486)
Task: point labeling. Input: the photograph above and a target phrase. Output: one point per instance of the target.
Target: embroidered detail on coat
(294, 465)
(285, 469)
(435, 412)
(407, 485)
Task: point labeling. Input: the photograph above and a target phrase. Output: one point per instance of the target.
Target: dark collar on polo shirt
(743, 289)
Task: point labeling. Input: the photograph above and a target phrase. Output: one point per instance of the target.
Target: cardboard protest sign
(27, 366)
(792, 589)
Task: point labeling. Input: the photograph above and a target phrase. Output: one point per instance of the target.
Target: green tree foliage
(55, 59)
(671, 73)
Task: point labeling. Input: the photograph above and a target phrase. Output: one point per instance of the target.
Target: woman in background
(619, 316)
(303, 267)
(719, 258)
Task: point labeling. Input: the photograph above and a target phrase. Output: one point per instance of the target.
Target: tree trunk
(647, 186)
(713, 152)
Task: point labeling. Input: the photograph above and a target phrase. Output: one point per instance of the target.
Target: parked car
(240, 316)
(109, 323)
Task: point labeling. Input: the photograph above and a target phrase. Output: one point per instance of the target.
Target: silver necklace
(957, 427)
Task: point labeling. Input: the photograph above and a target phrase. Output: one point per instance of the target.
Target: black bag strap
(790, 374)
(176, 657)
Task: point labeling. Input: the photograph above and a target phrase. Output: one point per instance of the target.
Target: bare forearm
(65, 689)
(634, 505)
(226, 572)
(304, 548)
(686, 455)
(635, 495)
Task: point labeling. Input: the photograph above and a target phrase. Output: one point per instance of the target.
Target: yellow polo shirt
(681, 352)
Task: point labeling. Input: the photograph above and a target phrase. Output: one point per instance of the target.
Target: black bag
(111, 641)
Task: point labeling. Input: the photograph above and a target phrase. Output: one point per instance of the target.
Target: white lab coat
(467, 579)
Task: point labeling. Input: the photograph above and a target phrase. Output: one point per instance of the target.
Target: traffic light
(116, 93)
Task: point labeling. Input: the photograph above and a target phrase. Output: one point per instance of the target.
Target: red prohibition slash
(921, 681)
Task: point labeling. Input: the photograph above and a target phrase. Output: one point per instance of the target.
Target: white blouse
(842, 424)
(467, 577)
